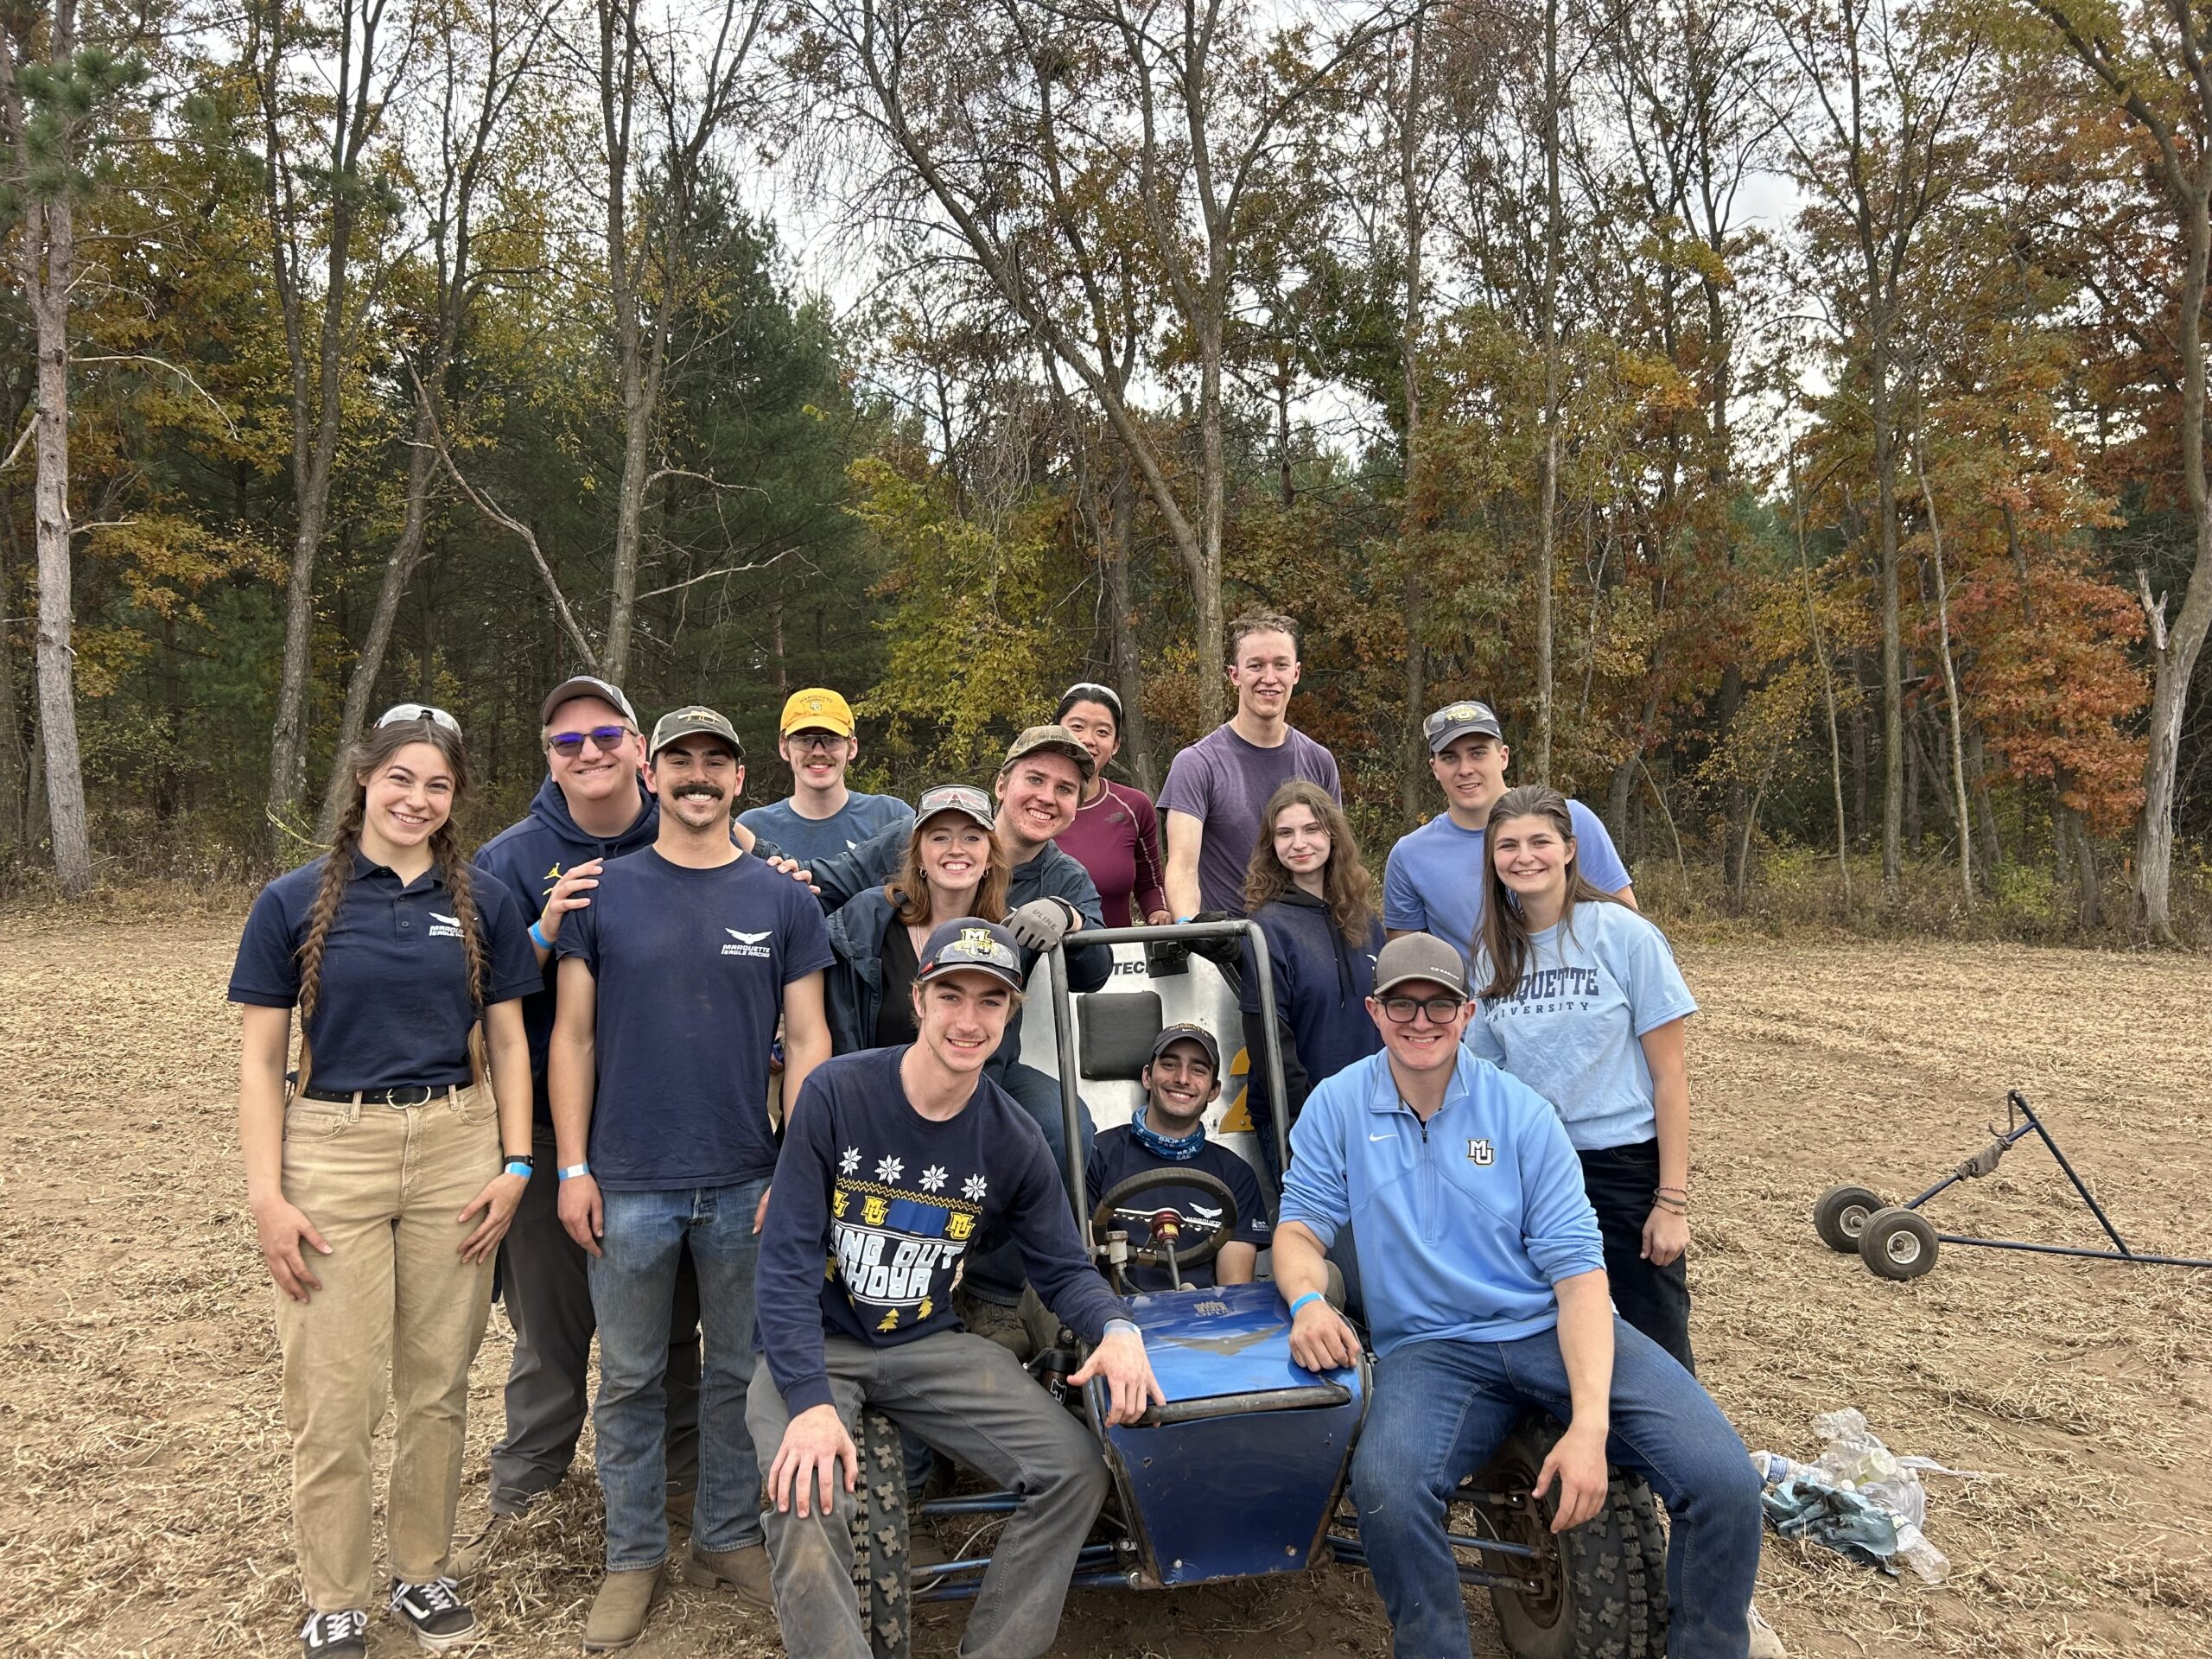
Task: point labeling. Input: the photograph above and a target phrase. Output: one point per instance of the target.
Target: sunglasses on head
(402, 711)
(569, 745)
(1401, 1010)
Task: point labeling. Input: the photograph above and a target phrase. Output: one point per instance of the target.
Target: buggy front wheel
(1897, 1244)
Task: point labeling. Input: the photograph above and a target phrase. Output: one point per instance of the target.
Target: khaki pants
(383, 1186)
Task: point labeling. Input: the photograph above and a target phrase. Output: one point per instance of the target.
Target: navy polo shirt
(689, 968)
(394, 1007)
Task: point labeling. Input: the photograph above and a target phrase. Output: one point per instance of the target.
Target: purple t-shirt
(1224, 782)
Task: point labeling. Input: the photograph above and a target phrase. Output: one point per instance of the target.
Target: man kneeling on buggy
(893, 1161)
(1483, 1276)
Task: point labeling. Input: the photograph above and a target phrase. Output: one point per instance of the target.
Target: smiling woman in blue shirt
(1579, 998)
(377, 1179)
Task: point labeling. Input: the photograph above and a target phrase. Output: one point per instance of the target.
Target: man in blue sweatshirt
(1485, 1285)
(895, 1158)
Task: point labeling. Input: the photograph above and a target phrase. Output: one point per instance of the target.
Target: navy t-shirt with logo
(690, 968)
(394, 1007)
(1116, 1154)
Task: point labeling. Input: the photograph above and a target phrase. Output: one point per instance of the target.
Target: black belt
(406, 1094)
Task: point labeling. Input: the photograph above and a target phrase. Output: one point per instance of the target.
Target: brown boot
(620, 1611)
(745, 1571)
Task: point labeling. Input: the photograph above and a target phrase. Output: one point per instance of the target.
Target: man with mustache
(1169, 1132)
(671, 982)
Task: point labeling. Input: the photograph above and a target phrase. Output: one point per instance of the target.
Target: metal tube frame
(2022, 1122)
(1064, 1042)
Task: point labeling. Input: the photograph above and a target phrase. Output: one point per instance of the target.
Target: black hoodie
(530, 857)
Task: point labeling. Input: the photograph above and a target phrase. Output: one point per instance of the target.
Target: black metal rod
(1243, 1405)
(985, 1504)
(2080, 1185)
(1349, 1551)
(965, 1589)
(1178, 932)
(2070, 1250)
(1070, 1105)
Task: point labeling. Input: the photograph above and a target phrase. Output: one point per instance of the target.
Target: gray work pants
(970, 1398)
(547, 1290)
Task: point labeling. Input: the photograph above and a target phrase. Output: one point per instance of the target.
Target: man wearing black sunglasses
(594, 806)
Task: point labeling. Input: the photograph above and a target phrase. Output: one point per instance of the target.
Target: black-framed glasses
(569, 745)
(403, 711)
(1441, 1010)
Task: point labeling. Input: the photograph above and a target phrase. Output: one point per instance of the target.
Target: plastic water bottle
(1774, 1469)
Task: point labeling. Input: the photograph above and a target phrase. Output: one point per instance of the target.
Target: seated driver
(1169, 1132)
(894, 1160)
(1485, 1281)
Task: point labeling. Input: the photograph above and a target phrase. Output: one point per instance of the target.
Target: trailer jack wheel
(1841, 1216)
(1897, 1244)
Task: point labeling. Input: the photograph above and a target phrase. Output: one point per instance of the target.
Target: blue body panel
(1251, 1491)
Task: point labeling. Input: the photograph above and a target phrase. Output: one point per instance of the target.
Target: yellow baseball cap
(818, 708)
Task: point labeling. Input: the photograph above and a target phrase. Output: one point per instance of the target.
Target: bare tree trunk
(399, 570)
(48, 239)
(1950, 684)
(1827, 688)
(1127, 645)
(1413, 594)
(1547, 492)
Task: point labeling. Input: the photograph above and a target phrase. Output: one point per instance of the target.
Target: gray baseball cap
(683, 723)
(1420, 955)
(1051, 740)
(586, 685)
(1455, 720)
(1185, 1031)
(969, 942)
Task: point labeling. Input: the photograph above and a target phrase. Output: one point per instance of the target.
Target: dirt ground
(145, 1510)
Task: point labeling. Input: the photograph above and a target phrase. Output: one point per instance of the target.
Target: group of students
(899, 1233)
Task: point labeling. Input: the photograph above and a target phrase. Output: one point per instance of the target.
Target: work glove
(1226, 952)
(1042, 923)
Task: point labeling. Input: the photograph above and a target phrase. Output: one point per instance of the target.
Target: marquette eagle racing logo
(749, 944)
(897, 1251)
(1481, 1153)
(444, 926)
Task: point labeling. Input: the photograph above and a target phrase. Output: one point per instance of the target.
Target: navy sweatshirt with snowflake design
(874, 1207)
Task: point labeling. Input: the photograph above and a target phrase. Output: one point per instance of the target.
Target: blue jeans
(1441, 1408)
(994, 1268)
(633, 1286)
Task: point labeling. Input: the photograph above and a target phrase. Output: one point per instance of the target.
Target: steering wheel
(1145, 1180)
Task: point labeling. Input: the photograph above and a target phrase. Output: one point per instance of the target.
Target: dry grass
(146, 1510)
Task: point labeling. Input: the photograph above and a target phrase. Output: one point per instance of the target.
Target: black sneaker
(334, 1635)
(440, 1618)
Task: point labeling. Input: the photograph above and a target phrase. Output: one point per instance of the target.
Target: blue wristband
(518, 1167)
(1310, 1296)
(571, 1170)
(538, 938)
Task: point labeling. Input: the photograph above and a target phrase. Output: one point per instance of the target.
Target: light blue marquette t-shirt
(1595, 984)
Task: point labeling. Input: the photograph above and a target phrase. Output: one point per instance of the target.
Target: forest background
(1788, 413)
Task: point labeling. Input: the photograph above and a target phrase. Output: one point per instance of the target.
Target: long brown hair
(909, 890)
(361, 762)
(1504, 936)
(1346, 887)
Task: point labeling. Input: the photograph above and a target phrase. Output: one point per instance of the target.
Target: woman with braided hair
(377, 1178)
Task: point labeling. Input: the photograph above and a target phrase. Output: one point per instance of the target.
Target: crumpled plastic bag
(1859, 1498)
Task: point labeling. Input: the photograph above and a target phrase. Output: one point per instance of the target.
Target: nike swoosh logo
(1382, 1137)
